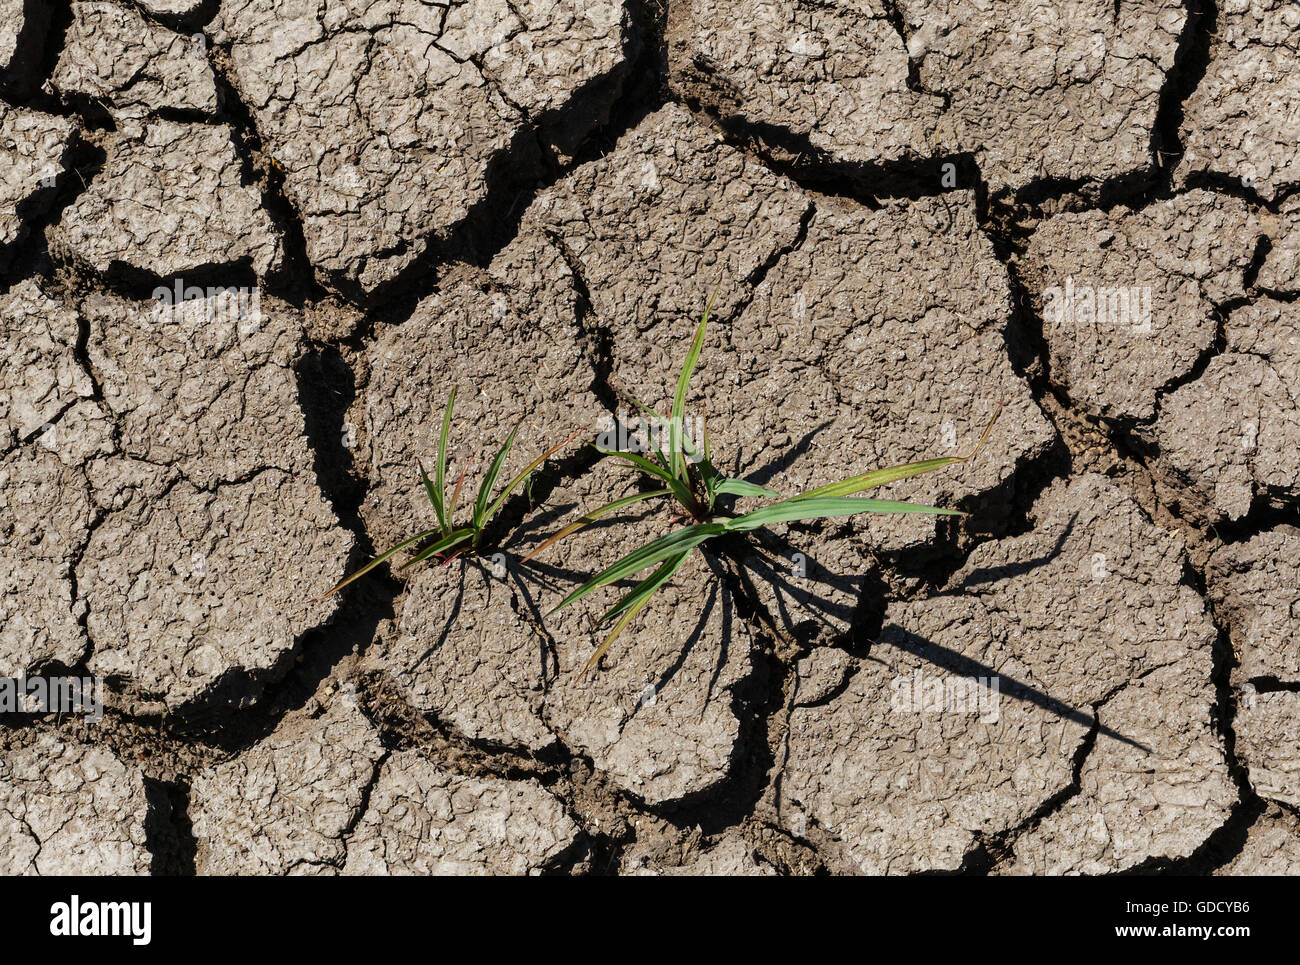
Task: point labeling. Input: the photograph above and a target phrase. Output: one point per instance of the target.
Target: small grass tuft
(448, 537)
(687, 474)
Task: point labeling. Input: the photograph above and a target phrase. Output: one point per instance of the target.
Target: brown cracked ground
(246, 249)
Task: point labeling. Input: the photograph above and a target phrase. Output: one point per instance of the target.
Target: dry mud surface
(247, 247)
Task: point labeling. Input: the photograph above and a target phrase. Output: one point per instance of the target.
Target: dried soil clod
(171, 199)
(908, 777)
(394, 122)
(1242, 122)
(71, 809)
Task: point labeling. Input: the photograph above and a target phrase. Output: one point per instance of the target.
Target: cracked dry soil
(247, 247)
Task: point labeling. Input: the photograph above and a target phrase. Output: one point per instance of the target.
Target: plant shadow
(809, 601)
(536, 576)
(992, 574)
(766, 473)
(959, 665)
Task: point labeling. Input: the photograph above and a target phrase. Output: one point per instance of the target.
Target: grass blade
(440, 470)
(660, 424)
(592, 516)
(879, 477)
(431, 493)
(646, 586)
(798, 508)
(675, 430)
(376, 561)
(633, 602)
(492, 510)
(454, 538)
(653, 552)
(679, 489)
(657, 420)
(455, 493)
(738, 487)
(490, 480)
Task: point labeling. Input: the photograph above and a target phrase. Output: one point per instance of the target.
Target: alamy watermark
(1107, 307)
(920, 693)
(240, 308)
(53, 695)
(127, 919)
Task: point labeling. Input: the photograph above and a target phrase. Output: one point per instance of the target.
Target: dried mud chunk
(112, 55)
(660, 713)
(462, 653)
(204, 381)
(539, 53)
(46, 510)
(171, 199)
(1272, 847)
(835, 73)
(285, 805)
(71, 809)
(919, 753)
(12, 23)
(1257, 585)
(1063, 91)
(906, 791)
(1230, 435)
(729, 858)
(1093, 568)
(32, 149)
(189, 593)
(1243, 119)
(1267, 726)
(877, 340)
(822, 673)
(668, 215)
(386, 127)
(660, 717)
(854, 291)
(422, 820)
(513, 355)
(1281, 269)
(1140, 803)
(1128, 299)
(42, 376)
(39, 618)
(872, 308)
(901, 313)
(189, 596)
